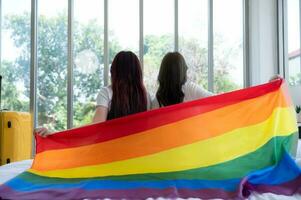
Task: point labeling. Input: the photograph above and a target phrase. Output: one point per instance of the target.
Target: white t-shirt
(105, 95)
(191, 92)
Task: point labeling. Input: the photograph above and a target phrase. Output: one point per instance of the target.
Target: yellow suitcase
(16, 136)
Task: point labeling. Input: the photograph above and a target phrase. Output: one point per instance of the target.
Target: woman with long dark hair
(126, 95)
(173, 85)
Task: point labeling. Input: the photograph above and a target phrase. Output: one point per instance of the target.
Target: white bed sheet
(11, 170)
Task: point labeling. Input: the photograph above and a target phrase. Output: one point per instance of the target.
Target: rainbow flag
(226, 146)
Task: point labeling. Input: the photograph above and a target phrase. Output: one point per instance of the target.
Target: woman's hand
(42, 131)
(275, 78)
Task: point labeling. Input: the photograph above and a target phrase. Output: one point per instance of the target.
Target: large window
(78, 39)
(293, 42)
(15, 54)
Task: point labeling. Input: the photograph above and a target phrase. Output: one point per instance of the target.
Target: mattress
(11, 170)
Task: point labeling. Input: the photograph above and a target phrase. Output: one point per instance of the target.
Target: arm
(100, 115)
(102, 105)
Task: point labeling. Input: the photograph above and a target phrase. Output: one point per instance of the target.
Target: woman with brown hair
(125, 96)
(173, 85)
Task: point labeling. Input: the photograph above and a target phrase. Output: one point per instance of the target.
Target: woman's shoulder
(189, 86)
(106, 90)
(194, 91)
(104, 96)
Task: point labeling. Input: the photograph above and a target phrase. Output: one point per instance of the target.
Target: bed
(11, 170)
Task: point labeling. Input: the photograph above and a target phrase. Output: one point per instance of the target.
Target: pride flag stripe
(228, 185)
(142, 193)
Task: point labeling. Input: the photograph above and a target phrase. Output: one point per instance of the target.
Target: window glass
(52, 64)
(193, 38)
(123, 26)
(228, 45)
(88, 43)
(15, 54)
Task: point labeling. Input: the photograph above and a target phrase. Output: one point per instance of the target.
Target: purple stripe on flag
(8, 193)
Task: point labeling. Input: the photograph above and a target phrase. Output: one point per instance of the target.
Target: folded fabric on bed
(225, 146)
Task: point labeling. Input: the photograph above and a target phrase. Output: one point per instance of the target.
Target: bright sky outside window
(123, 26)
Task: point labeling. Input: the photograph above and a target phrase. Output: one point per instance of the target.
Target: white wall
(263, 40)
(263, 44)
(295, 92)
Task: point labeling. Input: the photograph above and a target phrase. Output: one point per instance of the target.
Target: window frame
(282, 41)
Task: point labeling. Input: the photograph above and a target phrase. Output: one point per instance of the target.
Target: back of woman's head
(129, 94)
(172, 76)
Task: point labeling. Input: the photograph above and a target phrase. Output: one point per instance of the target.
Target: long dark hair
(129, 94)
(172, 76)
